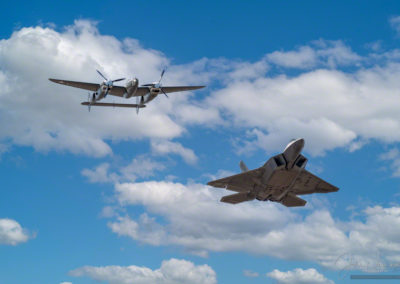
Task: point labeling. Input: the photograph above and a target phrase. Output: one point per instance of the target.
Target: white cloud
(163, 147)
(320, 53)
(140, 167)
(12, 233)
(172, 271)
(99, 174)
(392, 156)
(299, 276)
(304, 57)
(395, 23)
(345, 107)
(66, 283)
(191, 217)
(249, 273)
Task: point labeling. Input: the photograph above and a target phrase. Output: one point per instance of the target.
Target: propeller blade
(164, 93)
(117, 80)
(162, 74)
(101, 75)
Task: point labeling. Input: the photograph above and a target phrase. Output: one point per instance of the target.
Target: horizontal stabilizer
(113, 105)
(292, 200)
(237, 198)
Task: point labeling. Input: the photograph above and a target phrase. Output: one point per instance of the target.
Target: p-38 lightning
(144, 93)
(280, 179)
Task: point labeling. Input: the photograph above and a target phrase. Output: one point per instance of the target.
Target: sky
(109, 196)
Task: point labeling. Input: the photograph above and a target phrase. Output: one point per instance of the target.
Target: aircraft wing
(242, 182)
(180, 88)
(308, 183)
(143, 90)
(81, 85)
(116, 90)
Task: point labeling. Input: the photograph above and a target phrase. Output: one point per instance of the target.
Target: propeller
(164, 93)
(104, 77)
(109, 82)
(159, 83)
(162, 74)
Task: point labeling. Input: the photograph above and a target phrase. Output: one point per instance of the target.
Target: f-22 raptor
(281, 179)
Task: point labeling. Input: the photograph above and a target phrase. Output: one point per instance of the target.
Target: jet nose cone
(300, 143)
(293, 149)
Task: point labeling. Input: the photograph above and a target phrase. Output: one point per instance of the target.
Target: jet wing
(180, 88)
(308, 183)
(242, 182)
(116, 90)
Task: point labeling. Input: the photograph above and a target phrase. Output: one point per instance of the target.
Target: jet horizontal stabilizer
(237, 198)
(291, 200)
(113, 105)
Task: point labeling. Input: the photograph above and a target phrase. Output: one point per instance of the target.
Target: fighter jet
(146, 92)
(281, 179)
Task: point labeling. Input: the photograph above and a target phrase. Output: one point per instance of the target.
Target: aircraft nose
(300, 144)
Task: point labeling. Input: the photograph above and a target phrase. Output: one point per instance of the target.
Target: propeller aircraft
(144, 93)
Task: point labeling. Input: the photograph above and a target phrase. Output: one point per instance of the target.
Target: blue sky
(113, 197)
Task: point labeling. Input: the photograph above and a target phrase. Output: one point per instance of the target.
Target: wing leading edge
(172, 89)
(242, 182)
(115, 91)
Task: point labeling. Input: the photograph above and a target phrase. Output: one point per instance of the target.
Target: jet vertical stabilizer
(243, 167)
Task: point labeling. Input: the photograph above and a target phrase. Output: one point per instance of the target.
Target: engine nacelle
(131, 88)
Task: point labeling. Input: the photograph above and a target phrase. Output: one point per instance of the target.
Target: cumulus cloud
(191, 217)
(12, 233)
(395, 23)
(345, 107)
(393, 157)
(299, 276)
(99, 174)
(172, 271)
(162, 147)
(321, 53)
(249, 273)
(139, 167)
